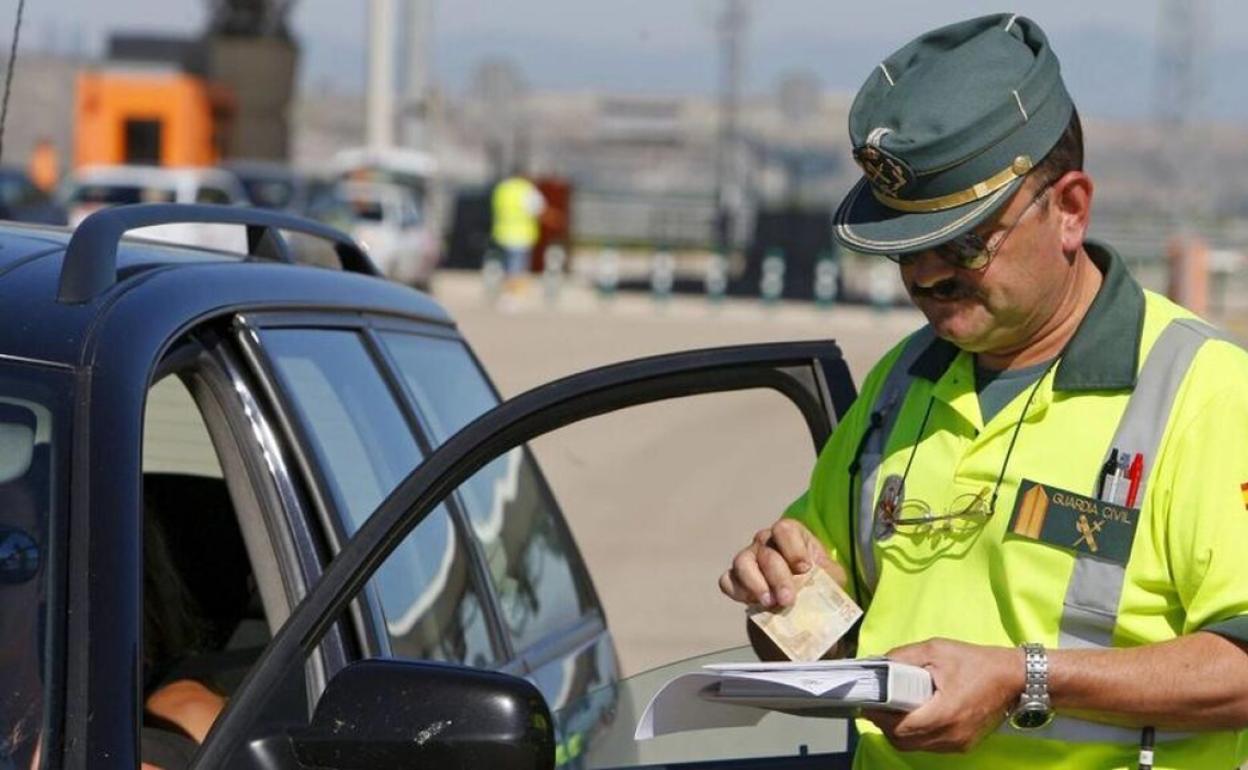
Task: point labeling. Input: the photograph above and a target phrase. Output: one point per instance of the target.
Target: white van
(94, 187)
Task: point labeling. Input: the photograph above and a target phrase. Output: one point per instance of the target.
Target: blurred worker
(517, 209)
(1040, 496)
(45, 165)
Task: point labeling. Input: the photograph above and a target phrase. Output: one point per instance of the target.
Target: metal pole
(418, 57)
(381, 16)
(731, 28)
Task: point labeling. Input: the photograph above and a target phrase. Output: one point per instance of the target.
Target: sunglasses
(972, 251)
(19, 556)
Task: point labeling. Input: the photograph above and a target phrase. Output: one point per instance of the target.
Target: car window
(366, 210)
(409, 213)
(209, 194)
(113, 194)
(269, 193)
(539, 578)
(17, 190)
(32, 430)
(202, 610)
(432, 608)
(175, 439)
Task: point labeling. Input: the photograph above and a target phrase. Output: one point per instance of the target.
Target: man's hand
(762, 572)
(974, 688)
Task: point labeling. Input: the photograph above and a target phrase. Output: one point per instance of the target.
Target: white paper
(678, 706)
(824, 688)
(844, 685)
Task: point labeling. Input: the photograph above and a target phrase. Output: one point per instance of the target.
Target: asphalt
(660, 497)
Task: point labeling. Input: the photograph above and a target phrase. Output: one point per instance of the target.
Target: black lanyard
(876, 421)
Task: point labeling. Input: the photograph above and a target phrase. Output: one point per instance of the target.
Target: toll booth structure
(153, 117)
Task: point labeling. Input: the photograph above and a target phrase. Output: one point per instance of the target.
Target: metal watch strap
(1036, 681)
(1036, 677)
(1033, 710)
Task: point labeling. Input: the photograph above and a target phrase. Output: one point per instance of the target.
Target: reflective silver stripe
(1090, 610)
(1073, 730)
(883, 416)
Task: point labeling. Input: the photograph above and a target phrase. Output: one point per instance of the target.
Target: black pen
(1146, 749)
(1108, 469)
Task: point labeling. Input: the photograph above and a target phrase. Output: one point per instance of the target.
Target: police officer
(1041, 495)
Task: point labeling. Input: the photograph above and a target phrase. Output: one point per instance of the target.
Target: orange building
(161, 118)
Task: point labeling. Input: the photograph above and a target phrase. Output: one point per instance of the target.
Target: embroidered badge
(885, 172)
(1076, 522)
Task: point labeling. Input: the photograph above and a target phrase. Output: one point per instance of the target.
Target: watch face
(1031, 718)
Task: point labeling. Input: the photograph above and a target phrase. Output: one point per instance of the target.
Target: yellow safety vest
(515, 222)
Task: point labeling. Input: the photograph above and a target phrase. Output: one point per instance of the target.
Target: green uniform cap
(946, 128)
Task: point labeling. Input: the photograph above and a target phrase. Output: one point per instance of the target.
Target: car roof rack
(90, 265)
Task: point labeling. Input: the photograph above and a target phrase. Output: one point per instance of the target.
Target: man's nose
(926, 269)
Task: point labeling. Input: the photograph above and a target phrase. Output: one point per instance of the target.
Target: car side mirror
(378, 714)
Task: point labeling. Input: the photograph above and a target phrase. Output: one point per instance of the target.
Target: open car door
(387, 713)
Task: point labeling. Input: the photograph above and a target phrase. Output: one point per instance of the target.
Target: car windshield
(114, 194)
(32, 425)
(269, 193)
(600, 727)
(365, 210)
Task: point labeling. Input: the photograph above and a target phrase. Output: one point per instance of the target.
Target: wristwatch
(1033, 710)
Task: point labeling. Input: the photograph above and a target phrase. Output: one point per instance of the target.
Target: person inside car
(178, 710)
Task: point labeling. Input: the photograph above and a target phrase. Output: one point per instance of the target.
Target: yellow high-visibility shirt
(989, 585)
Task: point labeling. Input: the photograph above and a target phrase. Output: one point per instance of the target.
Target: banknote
(820, 616)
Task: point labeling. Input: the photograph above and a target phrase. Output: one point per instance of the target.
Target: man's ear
(1072, 194)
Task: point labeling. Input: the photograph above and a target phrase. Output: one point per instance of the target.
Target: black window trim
(205, 359)
(369, 620)
(558, 641)
(417, 423)
(321, 495)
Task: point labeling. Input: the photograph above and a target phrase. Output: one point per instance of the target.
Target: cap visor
(865, 225)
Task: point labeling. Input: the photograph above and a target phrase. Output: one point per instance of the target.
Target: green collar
(1103, 354)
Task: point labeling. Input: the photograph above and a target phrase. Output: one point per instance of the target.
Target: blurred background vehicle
(22, 201)
(272, 185)
(387, 220)
(92, 188)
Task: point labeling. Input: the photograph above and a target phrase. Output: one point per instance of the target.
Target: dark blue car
(296, 488)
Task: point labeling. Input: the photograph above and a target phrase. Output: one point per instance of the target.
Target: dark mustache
(949, 288)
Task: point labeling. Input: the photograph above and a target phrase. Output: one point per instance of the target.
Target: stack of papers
(738, 694)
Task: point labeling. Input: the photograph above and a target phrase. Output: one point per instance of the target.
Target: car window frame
(369, 619)
(812, 375)
(235, 408)
(558, 642)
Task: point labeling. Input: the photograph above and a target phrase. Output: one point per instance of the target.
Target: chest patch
(1074, 522)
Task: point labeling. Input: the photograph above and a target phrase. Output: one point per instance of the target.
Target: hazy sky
(1108, 47)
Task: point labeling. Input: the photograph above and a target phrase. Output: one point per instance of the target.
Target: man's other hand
(762, 572)
(974, 688)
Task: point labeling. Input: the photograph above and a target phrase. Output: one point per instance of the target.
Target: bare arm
(1196, 682)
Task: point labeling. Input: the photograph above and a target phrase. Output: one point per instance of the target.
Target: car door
(811, 375)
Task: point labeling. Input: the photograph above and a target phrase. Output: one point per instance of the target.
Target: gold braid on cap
(1021, 165)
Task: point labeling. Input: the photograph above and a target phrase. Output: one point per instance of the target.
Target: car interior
(204, 617)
